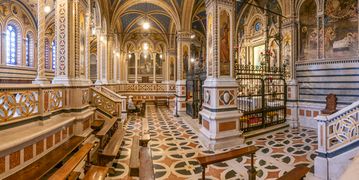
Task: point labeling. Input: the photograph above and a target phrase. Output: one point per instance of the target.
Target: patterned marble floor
(174, 148)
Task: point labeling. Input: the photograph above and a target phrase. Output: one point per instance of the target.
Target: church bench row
(108, 129)
(141, 164)
(112, 147)
(74, 161)
(42, 166)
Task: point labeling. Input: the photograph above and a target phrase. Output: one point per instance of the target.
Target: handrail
(99, 91)
(123, 100)
(110, 93)
(338, 130)
(106, 103)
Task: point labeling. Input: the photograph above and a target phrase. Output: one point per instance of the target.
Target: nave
(175, 146)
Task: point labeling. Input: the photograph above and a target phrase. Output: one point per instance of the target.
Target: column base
(215, 144)
(220, 129)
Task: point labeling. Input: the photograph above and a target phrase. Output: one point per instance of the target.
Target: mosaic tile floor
(174, 148)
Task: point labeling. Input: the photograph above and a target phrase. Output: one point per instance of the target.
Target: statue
(331, 106)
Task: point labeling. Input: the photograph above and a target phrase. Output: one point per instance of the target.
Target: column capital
(184, 36)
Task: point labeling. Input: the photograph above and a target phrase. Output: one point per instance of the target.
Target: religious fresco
(145, 65)
(341, 28)
(308, 30)
(210, 44)
(225, 61)
(185, 61)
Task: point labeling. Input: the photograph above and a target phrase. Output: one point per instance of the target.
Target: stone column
(68, 69)
(99, 63)
(110, 57)
(154, 66)
(3, 50)
(290, 53)
(88, 46)
(183, 56)
(104, 61)
(137, 58)
(41, 24)
(220, 116)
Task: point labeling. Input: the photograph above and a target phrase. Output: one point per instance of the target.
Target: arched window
(53, 54)
(11, 44)
(27, 50)
(47, 54)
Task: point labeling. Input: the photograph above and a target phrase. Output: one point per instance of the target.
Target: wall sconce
(193, 60)
(161, 56)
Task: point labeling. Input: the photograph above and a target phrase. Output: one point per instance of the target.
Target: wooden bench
(135, 157)
(146, 164)
(297, 173)
(97, 125)
(107, 131)
(42, 166)
(208, 160)
(145, 135)
(161, 101)
(96, 173)
(111, 149)
(71, 164)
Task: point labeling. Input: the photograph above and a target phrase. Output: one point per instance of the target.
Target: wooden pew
(146, 164)
(297, 173)
(111, 149)
(145, 135)
(71, 164)
(97, 125)
(161, 101)
(135, 157)
(208, 160)
(106, 131)
(96, 173)
(40, 167)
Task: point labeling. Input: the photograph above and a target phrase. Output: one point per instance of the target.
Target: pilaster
(41, 24)
(220, 116)
(68, 70)
(98, 65)
(183, 56)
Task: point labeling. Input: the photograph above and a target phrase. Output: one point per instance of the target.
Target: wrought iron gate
(262, 96)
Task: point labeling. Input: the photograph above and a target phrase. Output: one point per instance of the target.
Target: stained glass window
(47, 54)
(28, 49)
(11, 44)
(53, 54)
(258, 26)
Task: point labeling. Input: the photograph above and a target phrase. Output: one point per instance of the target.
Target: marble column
(220, 116)
(183, 56)
(68, 67)
(88, 46)
(3, 50)
(154, 66)
(99, 62)
(110, 57)
(41, 24)
(137, 58)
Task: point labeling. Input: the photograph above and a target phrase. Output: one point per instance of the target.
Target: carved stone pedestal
(220, 116)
